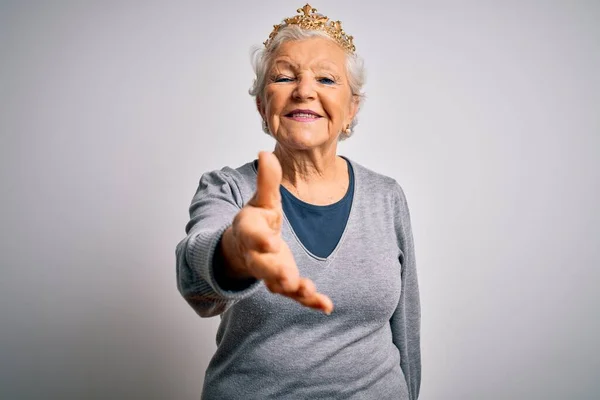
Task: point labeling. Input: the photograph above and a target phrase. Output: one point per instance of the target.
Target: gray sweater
(270, 347)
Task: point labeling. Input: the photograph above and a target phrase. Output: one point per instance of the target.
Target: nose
(304, 89)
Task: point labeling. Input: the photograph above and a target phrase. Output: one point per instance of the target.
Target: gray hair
(261, 58)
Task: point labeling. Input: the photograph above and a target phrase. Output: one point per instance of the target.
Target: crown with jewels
(309, 19)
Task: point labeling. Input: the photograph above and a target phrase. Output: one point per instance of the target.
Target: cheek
(335, 108)
(273, 104)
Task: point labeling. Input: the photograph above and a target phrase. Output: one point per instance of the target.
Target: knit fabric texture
(270, 347)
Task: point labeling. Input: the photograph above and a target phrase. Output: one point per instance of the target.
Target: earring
(265, 127)
(347, 130)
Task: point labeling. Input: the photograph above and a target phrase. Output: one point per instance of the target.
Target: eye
(326, 81)
(282, 79)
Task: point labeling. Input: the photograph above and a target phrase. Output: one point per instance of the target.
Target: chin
(305, 138)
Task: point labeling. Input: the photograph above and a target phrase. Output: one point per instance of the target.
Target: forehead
(310, 53)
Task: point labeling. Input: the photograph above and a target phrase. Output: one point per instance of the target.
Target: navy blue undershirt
(319, 228)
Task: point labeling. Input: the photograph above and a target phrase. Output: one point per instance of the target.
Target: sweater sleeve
(215, 204)
(406, 320)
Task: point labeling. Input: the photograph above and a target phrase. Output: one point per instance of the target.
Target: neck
(313, 176)
(307, 166)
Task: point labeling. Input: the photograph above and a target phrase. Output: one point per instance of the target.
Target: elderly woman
(264, 237)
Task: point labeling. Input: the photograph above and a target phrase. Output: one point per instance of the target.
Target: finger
(314, 300)
(281, 274)
(308, 296)
(274, 287)
(268, 181)
(306, 288)
(326, 304)
(305, 295)
(318, 301)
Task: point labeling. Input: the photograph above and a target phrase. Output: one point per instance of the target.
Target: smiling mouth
(302, 115)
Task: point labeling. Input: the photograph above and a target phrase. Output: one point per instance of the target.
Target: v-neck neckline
(327, 260)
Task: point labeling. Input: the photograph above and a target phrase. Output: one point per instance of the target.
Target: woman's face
(307, 98)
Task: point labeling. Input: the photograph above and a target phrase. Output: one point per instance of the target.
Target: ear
(354, 106)
(260, 107)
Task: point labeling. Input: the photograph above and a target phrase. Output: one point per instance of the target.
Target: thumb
(268, 181)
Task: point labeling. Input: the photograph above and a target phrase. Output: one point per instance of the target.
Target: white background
(487, 113)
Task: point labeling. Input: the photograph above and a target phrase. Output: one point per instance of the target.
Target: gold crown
(309, 19)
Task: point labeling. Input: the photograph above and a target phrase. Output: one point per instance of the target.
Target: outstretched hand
(256, 231)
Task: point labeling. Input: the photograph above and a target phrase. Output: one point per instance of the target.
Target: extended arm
(231, 246)
(199, 255)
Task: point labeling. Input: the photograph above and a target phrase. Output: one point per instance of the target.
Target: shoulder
(240, 181)
(237, 175)
(383, 195)
(371, 181)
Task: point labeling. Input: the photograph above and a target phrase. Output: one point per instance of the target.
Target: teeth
(304, 115)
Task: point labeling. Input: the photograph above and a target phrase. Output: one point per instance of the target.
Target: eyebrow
(319, 64)
(285, 63)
